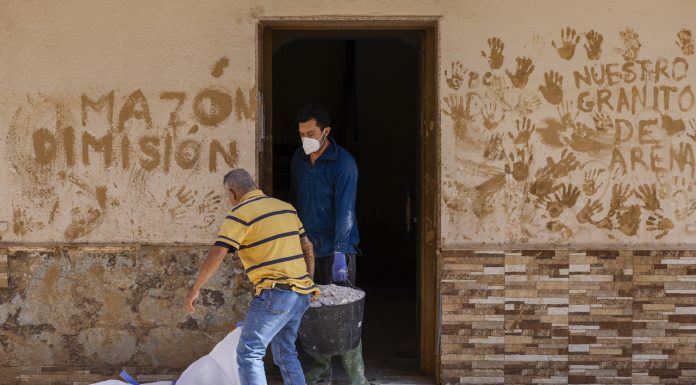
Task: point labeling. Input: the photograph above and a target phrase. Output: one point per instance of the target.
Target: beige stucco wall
(484, 203)
(159, 54)
(163, 186)
(55, 55)
(60, 58)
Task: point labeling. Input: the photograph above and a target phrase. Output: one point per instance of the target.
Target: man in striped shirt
(278, 258)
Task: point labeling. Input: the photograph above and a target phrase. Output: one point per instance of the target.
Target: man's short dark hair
(313, 111)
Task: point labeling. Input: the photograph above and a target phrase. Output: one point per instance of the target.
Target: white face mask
(311, 145)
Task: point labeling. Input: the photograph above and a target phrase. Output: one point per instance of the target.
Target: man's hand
(210, 266)
(340, 269)
(190, 299)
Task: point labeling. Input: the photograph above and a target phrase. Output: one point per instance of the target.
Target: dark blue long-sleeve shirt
(324, 196)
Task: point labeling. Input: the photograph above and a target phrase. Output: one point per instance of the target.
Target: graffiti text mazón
(152, 148)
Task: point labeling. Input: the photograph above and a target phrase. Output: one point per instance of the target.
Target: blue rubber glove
(128, 378)
(339, 271)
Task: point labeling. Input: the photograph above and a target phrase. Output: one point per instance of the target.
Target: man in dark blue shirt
(324, 181)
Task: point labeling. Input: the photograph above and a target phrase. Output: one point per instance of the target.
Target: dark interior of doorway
(369, 82)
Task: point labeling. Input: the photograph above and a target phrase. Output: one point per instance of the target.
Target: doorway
(371, 81)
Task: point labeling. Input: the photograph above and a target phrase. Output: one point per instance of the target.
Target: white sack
(117, 382)
(219, 367)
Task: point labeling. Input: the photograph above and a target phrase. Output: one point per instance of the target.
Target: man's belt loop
(282, 286)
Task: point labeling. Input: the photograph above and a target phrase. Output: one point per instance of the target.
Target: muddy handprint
(178, 202)
(569, 39)
(553, 207)
(605, 223)
(483, 205)
(593, 47)
(619, 195)
(591, 185)
(526, 104)
(569, 195)
(21, 222)
(685, 42)
(456, 78)
(603, 122)
(552, 90)
(648, 194)
(524, 132)
(488, 113)
(568, 115)
(564, 166)
(590, 209)
(660, 224)
(499, 85)
(632, 44)
(458, 111)
(544, 184)
(520, 165)
(83, 223)
(521, 76)
(692, 134)
(494, 148)
(495, 57)
(629, 220)
(558, 227)
(684, 213)
(208, 208)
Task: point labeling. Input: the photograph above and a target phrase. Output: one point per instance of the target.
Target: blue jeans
(273, 317)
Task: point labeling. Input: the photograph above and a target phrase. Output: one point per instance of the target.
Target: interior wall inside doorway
(370, 85)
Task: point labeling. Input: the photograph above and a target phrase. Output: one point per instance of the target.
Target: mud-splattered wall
(118, 120)
(90, 170)
(562, 123)
(572, 125)
(118, 134)
(104, 308)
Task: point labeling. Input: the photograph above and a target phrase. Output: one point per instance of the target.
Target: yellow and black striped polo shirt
(266, 233)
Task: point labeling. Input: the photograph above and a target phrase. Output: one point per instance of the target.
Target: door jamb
(429, 237)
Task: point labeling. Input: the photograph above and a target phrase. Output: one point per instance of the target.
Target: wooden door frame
(428, 274)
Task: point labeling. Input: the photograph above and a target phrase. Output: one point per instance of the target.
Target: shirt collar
(252, 194)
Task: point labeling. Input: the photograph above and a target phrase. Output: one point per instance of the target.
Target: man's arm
(346, 191)
(215, 256)
(308, 251)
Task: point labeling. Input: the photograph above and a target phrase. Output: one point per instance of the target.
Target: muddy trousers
(320, 369)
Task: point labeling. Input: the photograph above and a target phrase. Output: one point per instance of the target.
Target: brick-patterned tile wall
(4, 270)
(568, 317)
